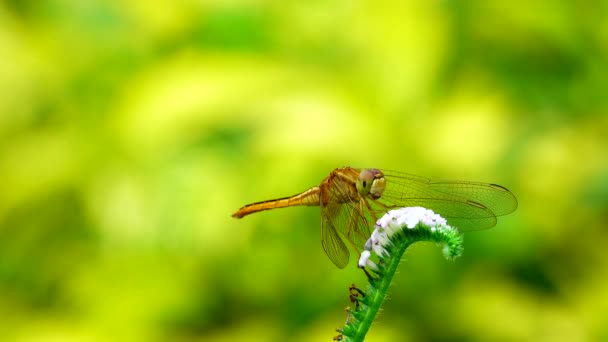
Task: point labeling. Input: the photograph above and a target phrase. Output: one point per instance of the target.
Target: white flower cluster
(391, 223)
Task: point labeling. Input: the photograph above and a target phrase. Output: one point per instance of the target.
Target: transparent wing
(466, 205)
(346, 214)
(333, 245)
(351, 217)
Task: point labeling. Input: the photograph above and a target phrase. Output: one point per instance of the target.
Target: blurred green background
(131, 130)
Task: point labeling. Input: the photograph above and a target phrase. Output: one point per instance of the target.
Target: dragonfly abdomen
(309, 197)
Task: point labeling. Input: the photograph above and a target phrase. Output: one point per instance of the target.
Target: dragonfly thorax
(371, 183)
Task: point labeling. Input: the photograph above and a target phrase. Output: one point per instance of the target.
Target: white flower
(364, 258)
(394, 221)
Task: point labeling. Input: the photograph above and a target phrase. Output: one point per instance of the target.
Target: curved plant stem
(362, 317)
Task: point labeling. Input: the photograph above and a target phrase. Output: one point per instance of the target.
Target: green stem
(363, 317)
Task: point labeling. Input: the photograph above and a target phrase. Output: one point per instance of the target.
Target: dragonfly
(352, 199)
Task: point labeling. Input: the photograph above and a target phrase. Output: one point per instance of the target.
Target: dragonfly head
(371, 183)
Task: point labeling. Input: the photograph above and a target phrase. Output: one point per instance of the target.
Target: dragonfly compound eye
(377, 187)
(365, 180)
(371, 182)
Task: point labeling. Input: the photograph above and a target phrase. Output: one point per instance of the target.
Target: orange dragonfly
(351, 201)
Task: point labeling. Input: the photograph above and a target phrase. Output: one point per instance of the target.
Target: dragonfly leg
(352, 222)
(372, 212)
(369, 276)
(364, 259)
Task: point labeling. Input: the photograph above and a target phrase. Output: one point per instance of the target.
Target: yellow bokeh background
(130, 132)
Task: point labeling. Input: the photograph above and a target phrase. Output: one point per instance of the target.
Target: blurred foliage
(130, 131)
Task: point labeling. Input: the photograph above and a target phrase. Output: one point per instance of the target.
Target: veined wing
(351, 217)
(345, 214)
(466, 205)
(332, 243)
